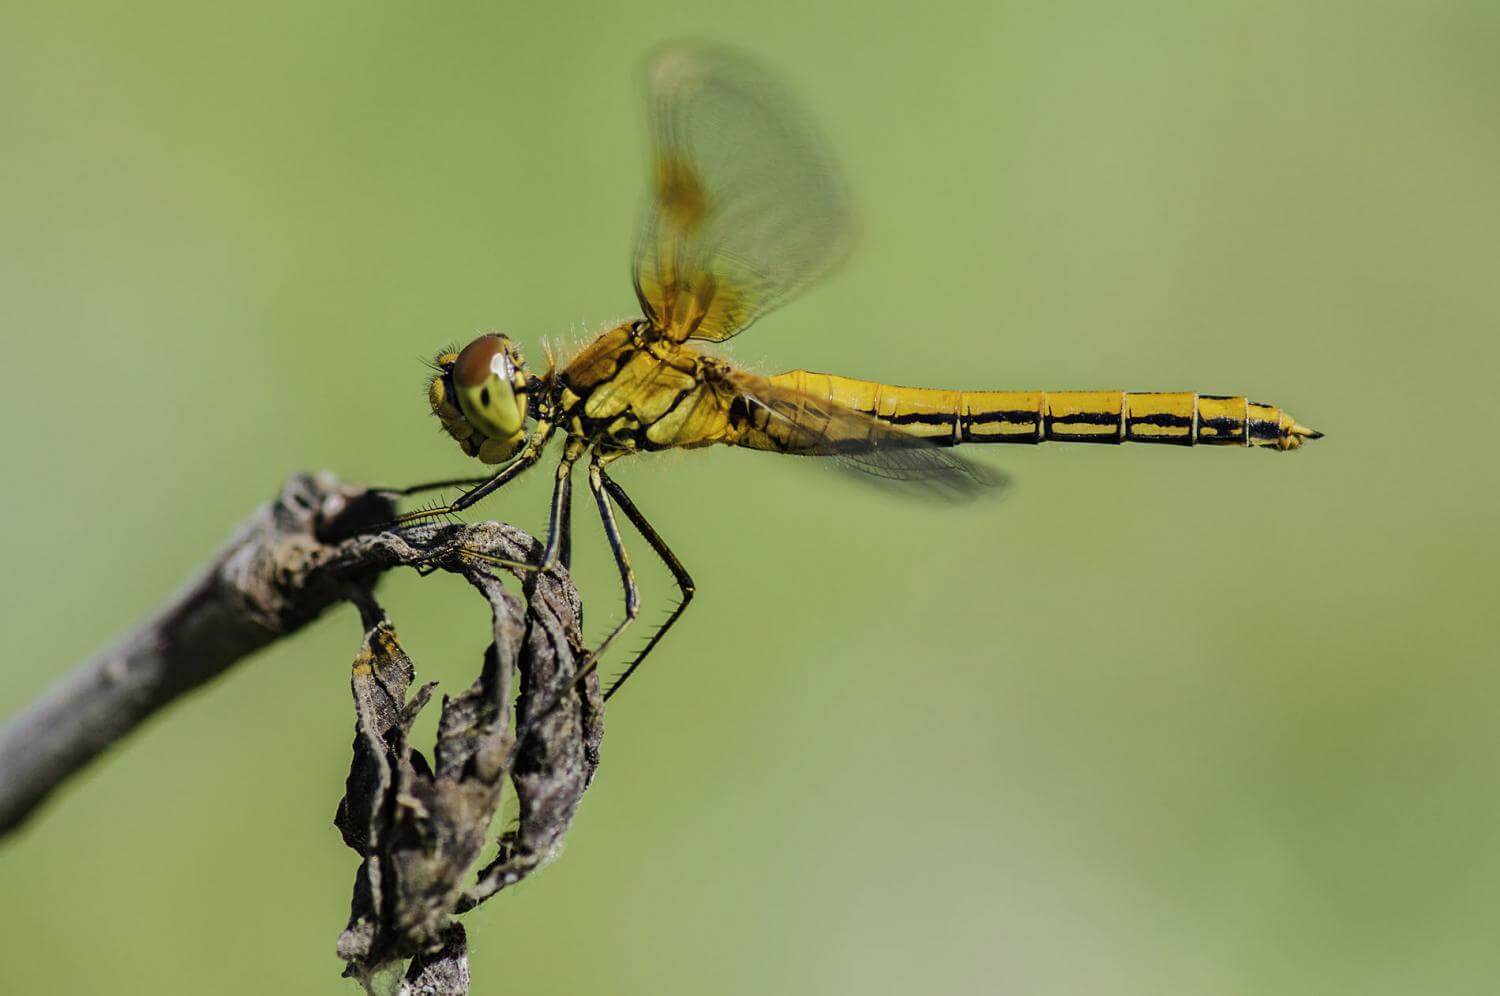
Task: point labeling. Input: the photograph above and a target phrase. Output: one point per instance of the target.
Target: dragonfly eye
(489, 379)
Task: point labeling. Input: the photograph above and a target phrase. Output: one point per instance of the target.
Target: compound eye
(485, 378)
(480, 359)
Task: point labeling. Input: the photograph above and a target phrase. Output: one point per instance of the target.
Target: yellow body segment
(1180, 418)
(745, 211)
(647, 396)
(630, 393)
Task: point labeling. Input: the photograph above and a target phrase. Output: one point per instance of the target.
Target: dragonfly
(745, 210)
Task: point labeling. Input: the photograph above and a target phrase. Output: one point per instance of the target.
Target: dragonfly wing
(745, 208)
(790, 421)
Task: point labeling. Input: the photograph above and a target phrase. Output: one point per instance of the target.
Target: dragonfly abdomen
(950, 418)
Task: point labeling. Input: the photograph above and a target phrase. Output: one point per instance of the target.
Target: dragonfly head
(479, 395)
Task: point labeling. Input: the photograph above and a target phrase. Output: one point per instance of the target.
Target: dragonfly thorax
(479, 394)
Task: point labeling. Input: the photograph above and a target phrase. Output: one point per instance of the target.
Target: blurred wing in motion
(745, 209)
(789, 421)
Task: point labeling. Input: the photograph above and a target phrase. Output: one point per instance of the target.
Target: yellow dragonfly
(745, 210)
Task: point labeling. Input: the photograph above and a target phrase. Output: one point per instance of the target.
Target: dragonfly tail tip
(1305, 432)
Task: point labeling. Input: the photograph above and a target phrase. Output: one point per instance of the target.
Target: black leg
(559, 523)
(622, 561)
(565, 540)
(590, 663)
(416, 489)
(530, 454)
(679, 574)
(604, 487)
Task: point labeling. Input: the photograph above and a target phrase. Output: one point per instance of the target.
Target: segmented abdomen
(1180, 418)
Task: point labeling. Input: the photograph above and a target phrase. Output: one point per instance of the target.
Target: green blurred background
(893, 748)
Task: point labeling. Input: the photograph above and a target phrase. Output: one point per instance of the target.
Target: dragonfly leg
(530, 454)
(622, 560)
(679, 574)
(559, 523)
(416, 489)
(604, 488)
(590, 663)
(565, 533)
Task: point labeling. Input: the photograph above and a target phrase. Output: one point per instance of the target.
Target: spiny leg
(565, 538)
(627, 581)
(559, 522)
(599, 479)
(679, 574)
(530, 454)
(622, 561)
(590, 662)
(416, 489)
(508, 473)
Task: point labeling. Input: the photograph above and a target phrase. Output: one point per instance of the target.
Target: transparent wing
(789, 421)
(745, 208)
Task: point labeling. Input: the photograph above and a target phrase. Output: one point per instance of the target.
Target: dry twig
(418, 826)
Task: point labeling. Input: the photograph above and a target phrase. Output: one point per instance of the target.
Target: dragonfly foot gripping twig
(418, 826)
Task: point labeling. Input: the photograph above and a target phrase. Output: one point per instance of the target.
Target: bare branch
(418, 827)
(269, 580)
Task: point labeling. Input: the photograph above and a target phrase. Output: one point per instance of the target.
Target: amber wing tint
(745, 209)
(785, 420)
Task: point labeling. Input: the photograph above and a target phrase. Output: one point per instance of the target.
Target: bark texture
(418, 825)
